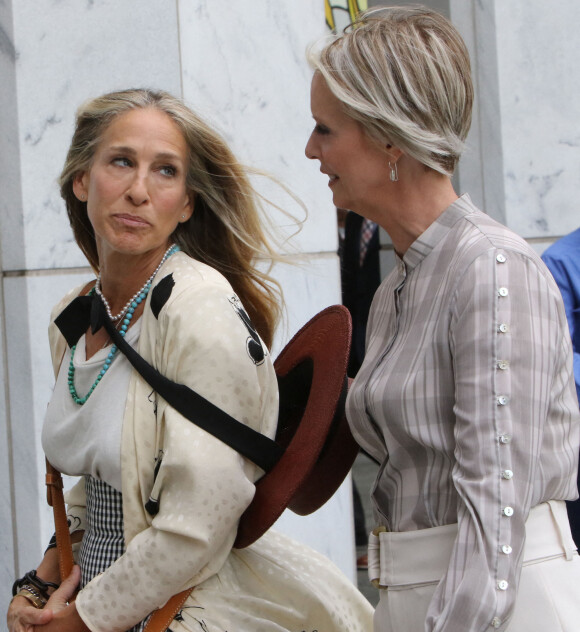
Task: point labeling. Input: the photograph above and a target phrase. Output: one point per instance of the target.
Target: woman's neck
(121, 277)
(411, 205)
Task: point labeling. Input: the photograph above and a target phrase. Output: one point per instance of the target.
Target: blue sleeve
(566, 272)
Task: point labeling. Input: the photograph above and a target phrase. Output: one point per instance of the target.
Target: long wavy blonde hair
(226, 230)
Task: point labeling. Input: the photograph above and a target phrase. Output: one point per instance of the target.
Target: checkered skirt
(103, 541)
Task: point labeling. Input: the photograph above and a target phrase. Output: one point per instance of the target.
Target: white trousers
(549, 590)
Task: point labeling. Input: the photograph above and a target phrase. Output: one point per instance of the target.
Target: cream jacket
(203, 486)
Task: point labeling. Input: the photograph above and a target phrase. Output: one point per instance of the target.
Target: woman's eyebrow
(163, 155)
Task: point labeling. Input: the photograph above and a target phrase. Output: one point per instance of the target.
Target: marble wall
(523, 155)
(522, 159)
(242, 66)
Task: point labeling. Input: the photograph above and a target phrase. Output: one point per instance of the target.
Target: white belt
(421, 556)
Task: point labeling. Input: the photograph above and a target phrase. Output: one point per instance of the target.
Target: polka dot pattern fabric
(203, 486)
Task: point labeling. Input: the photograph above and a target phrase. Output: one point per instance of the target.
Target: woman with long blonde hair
(168, 220)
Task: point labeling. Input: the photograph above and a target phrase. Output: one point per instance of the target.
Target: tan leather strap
(160, 619)
(55, 499)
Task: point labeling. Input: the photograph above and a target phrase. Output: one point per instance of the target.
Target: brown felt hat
(312, 427)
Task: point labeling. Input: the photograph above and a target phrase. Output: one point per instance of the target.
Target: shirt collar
(436, 232)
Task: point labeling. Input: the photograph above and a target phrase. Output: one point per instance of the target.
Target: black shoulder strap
(251, 444)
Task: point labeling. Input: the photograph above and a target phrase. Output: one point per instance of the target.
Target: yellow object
(340, 13)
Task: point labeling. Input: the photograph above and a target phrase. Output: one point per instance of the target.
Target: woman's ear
(81, 186)
(394, 153)
(187, 209)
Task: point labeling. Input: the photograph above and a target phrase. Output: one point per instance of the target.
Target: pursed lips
(130, 220)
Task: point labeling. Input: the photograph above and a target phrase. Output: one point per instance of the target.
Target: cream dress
(198, 338)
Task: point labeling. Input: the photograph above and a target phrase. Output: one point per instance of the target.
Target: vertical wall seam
(9, 435)
(179, 60)
(10, 105)
(492, 161)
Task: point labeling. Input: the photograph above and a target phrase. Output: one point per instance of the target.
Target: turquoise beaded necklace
(137, 300)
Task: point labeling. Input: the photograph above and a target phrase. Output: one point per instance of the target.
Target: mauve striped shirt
(466, 397)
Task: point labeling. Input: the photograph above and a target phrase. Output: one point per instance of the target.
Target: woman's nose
(137, 191)
(309, 150)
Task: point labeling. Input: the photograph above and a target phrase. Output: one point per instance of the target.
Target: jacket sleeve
(508, 342)
(202, 484)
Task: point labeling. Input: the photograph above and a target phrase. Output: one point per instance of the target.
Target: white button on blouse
(503, 291)
(508, 511)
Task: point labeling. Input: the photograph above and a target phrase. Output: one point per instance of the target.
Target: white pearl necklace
(173, 248)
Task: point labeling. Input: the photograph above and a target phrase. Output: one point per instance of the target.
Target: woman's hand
(23, 616)
(64, 615)
(57, 616)
(59, 600)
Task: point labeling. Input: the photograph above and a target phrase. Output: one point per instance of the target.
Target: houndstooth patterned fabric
(103, 541)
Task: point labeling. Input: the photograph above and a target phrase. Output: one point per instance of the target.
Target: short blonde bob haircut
(225, 230)
(404, 74)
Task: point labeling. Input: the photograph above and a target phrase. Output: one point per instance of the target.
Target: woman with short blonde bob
(168, 220)
(466, 394)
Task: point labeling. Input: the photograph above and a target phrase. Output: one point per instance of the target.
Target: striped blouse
(466, 397)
